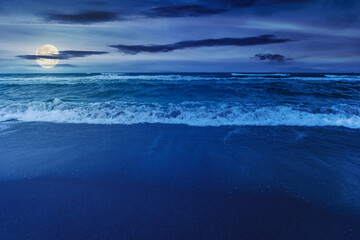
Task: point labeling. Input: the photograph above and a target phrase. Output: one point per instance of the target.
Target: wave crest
(189, 113)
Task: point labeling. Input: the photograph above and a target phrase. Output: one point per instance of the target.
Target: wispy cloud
(74, 54)
(248, 41)
(85, 17)
(89, 17)
(57, 65)
(162, 9)
(63, 55)
(272, 57)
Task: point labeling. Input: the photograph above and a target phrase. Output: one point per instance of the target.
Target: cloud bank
(84, 17)
(247, 41)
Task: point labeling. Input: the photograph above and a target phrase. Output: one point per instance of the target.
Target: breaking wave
(189, 113)
(9, 79)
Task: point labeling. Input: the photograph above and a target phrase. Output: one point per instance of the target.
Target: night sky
(186, 36)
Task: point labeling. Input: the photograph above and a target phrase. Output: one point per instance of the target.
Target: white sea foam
(288, 76)
(3, 127)
(103, 78)
(168, 78)
(261, 74)
(189, 113)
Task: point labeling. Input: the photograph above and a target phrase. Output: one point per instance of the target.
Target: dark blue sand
(156, 181)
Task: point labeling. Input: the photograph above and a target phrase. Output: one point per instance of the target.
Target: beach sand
(157, 181)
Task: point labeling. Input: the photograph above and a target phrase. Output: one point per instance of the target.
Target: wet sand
(154, 181)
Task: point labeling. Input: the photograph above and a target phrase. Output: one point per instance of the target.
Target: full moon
(47, 50)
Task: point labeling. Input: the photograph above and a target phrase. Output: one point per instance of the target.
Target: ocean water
(180, 156)
(222, 99)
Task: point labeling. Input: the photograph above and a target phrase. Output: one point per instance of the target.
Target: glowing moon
(47, 50)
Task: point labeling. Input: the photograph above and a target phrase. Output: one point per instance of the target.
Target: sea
(180, 156)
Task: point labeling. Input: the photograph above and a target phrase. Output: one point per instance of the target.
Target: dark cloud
(63, 55)
(84, 17)
(88, 17)
(34, 57)
(181, 11)
(161, 10)
(248, 41)
(272, 57)
(57, 65)
(74, 54)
